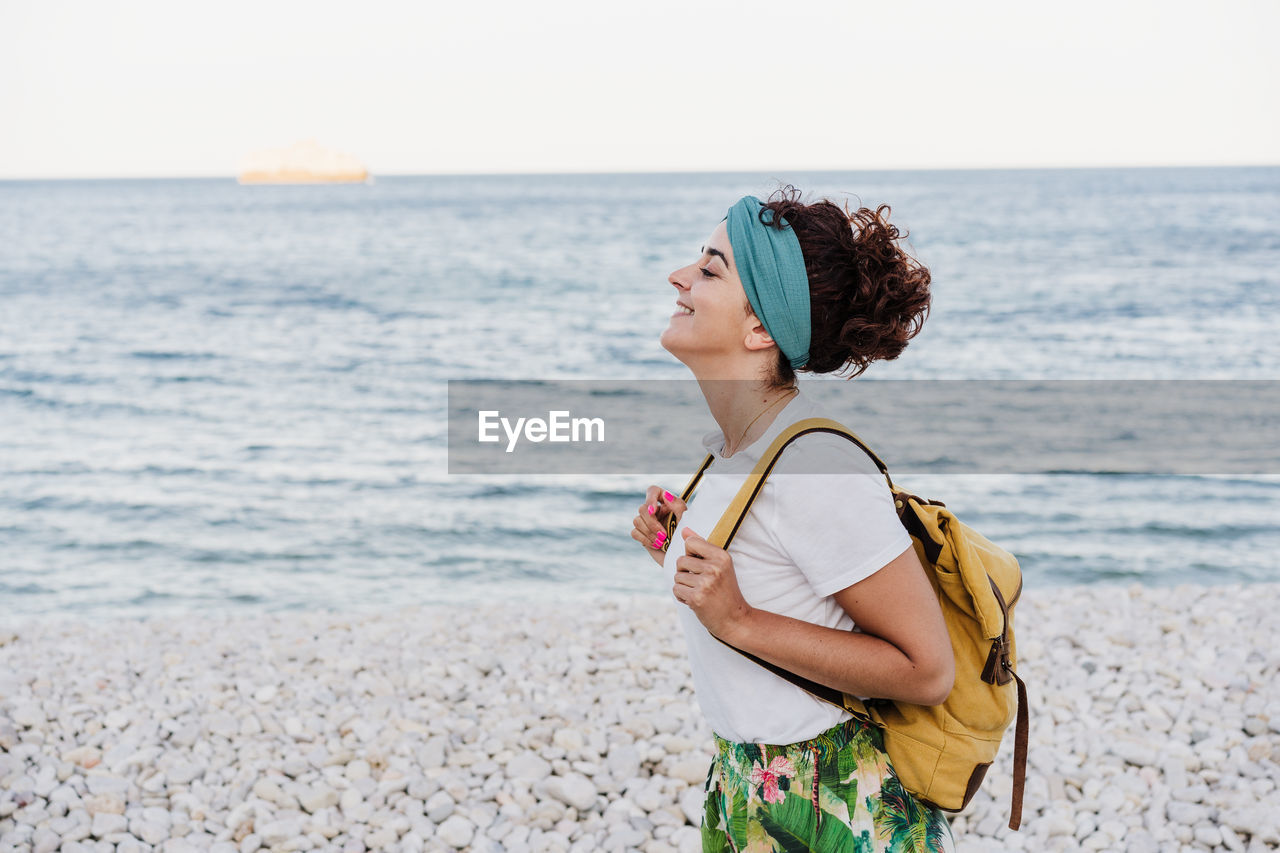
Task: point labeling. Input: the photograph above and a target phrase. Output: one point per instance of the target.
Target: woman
(782, 286)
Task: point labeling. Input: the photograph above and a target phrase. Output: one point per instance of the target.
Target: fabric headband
(771, 267)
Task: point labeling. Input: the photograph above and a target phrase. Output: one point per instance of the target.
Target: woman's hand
(651, 521)
(706, 582)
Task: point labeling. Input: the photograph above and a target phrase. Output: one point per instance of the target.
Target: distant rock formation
(305, 162)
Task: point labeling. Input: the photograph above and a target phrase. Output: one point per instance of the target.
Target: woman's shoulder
(825, 453)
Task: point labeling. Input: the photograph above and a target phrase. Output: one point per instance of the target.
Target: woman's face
(720, 323)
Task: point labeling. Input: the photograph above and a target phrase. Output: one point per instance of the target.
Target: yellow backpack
(940, 752)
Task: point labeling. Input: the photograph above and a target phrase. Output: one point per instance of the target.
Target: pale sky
(150, 88)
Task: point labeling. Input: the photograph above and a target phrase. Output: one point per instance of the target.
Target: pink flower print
(780, 768)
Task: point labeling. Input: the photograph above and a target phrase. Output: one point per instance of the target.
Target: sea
(217, 397)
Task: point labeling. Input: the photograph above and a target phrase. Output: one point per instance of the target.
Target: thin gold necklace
(762, 411)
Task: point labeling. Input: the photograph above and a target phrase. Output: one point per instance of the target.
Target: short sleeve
(840, 527)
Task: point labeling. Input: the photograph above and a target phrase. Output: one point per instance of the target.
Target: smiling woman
(823, 580)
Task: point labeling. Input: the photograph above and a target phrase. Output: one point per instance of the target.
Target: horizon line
(685, 171)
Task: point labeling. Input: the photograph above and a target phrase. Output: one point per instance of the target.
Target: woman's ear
(758, 337)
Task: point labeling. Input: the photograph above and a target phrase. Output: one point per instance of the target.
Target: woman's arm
(903, 653)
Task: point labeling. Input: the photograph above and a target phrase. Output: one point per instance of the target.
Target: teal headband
(771, 267)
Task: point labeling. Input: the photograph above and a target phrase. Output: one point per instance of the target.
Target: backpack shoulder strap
(737, 510)
(672, 522)
(693, 481)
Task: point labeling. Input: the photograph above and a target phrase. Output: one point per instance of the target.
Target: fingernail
(650, 509)
(659, 538)
(668, 496)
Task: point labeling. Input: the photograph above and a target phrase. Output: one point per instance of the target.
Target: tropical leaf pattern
(836, 793)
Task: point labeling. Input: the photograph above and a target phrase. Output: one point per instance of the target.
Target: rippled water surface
(216, 396)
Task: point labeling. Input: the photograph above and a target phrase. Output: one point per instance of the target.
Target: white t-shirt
(807, 536)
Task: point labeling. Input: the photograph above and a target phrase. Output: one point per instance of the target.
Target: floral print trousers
(835, 793)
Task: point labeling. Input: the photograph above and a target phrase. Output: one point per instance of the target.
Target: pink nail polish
(650, 509)
(668, 496)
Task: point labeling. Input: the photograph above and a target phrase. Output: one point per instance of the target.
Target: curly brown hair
(867, 296)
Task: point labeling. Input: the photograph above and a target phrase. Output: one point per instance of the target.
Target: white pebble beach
(1155, 726)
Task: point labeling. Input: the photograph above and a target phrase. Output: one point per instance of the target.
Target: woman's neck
(744, 409)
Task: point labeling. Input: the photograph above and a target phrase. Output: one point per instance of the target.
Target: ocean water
(215, 396)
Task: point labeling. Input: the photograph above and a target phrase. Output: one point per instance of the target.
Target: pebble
(570, 740)
(457, 832)
(528, 765)
(623, 762)
(439, 807)
(691, 771)
(313, 799)
(1187, 814)
(577, 729)
(574, 789)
